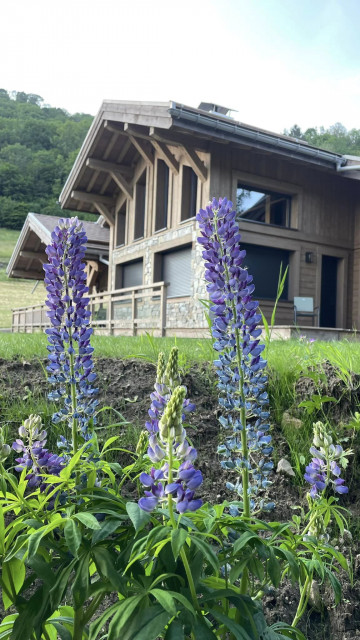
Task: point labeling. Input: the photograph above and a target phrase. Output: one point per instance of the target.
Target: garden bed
(125, 386)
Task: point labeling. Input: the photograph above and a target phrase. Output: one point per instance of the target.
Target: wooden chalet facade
(146, 168)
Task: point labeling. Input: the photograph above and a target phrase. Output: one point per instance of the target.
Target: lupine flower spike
(70, 360)
(242, 382)
(177, 476)
(324, 471)
(36, 459)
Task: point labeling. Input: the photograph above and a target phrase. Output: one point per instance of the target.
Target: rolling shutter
(133, 274)
(177, 272)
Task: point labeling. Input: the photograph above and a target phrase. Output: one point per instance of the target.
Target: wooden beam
(109, 167)
(29, 275)
(122, 184)
(93, 198)
(114, 127)
(196, 164)
(166, 154)
(33, 255)
(144, 149)
(104, 210)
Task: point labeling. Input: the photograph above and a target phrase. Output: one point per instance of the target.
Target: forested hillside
(38, 146)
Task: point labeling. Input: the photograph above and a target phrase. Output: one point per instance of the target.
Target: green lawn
(13, 291)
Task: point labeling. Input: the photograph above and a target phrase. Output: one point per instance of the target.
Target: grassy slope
(14, 292)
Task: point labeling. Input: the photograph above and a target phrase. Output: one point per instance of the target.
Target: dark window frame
(189, 191)
(162, 195)
(267, 275)
(140, 206)
(267, 207)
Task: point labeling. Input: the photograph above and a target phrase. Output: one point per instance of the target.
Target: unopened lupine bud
(170, 423)
(142, 444)
(160, 372)
(4, 448)
(172, 368)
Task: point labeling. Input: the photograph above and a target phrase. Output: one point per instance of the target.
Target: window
(140, 199)
(263, 206)
(129, 274)
(264, 265)
(188, 193)
(120, 226)
(174, 268)
(162, 195)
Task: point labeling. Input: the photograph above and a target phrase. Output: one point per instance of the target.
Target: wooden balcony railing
(122, 311)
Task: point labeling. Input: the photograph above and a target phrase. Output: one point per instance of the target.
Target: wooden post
(162, 310)
(133, 303)
(110, 312)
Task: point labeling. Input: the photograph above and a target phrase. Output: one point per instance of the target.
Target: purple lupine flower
(239, 366)
(36, 459)
(167, 440)
(323, 472)
(70, 357)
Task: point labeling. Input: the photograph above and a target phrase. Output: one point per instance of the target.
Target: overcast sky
(277, 62)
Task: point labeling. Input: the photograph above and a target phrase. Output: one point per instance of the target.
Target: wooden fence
(124, 311)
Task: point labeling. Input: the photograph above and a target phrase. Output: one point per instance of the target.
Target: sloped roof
(29, 254)
(122, 131)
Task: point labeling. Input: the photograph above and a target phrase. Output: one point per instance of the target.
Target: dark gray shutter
(177, 272)
(133, 274)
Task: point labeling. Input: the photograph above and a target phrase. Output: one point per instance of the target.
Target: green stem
(174, 525)
(92, 608)
(305, 592)
(78, 624)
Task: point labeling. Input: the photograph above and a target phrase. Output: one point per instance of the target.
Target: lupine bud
(160, 372)
(142, 443)
(172, 368)
(170, 422)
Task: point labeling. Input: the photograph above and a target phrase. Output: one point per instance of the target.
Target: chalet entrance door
(329, 270)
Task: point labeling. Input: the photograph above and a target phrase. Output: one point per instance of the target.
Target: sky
(276, 62)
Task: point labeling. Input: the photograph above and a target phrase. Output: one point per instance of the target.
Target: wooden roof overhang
(125, 135)
(29, 254)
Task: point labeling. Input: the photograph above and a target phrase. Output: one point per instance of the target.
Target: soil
(126, 385)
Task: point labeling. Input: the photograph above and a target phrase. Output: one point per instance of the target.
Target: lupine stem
(305, 592)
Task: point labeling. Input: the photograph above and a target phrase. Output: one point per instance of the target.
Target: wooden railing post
(110, 313)
(162, 310)
(133, 302)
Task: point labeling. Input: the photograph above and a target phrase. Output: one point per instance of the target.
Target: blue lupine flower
(323, 471)
(239, 365)
(167, 440)
(70, 352)
(36, 459)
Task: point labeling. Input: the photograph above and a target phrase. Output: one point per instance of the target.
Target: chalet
(146, 168)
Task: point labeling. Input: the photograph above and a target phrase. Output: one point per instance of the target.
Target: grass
(14, 292)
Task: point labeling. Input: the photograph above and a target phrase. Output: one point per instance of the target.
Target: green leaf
(106, 529)
(81, 582)
(149, 625)
(336, 586)
(88, 520)
(175, 631)
(165, 600)
(124, 611)
(97, 625)
(202, 631)
(237, 631)
(62, 632)
(72, 536)
(12, 579)
(178, 538)
(244, 540)
(207, 552)
(105, 565)
(57, 591)
(274, 568)
(36, 537)
(291, 560)
(109, 442)
(138, 517)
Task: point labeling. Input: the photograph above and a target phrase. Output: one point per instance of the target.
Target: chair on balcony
(305, 307)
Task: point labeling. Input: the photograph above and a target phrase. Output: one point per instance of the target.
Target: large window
(263, 206)
(140, 199)
(264, 265)
(162, 195)
(188, 193)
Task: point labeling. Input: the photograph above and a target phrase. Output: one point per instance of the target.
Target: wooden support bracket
(166, 154)
(196, 164)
